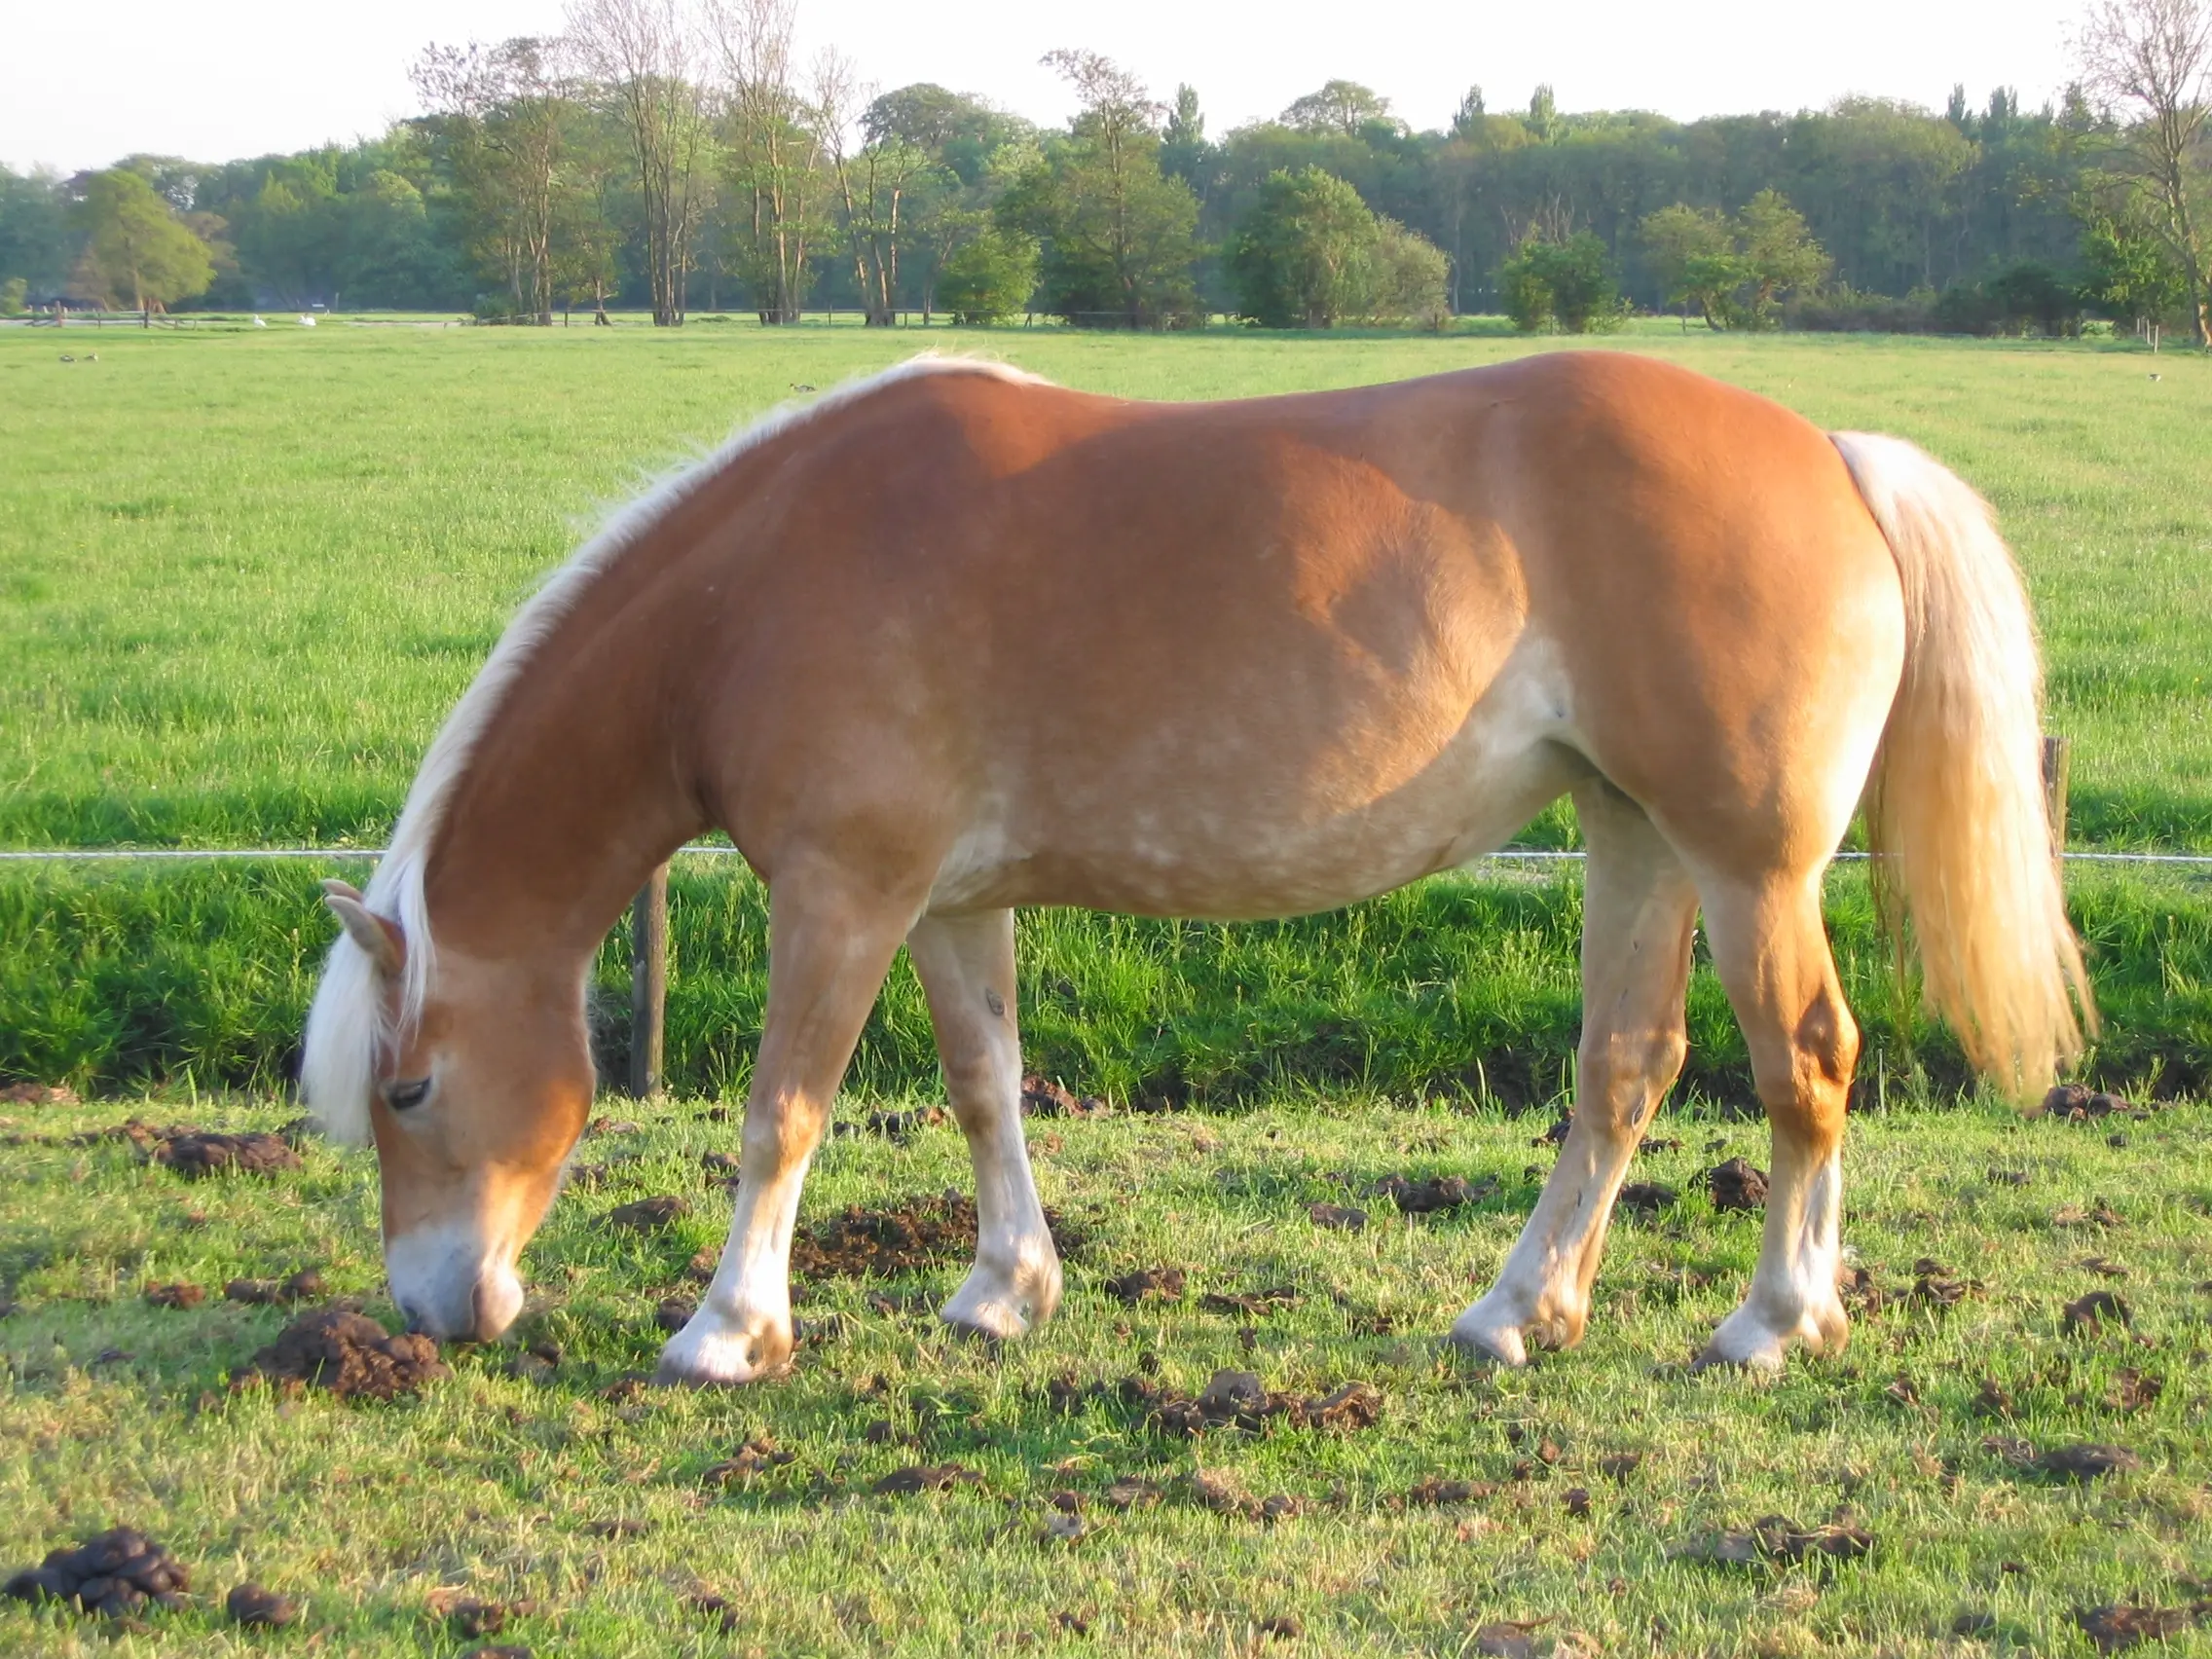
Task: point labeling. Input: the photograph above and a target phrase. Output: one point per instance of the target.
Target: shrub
(1311, 254)
(1300, 258)
(1407, 278)
(990, 279)
(1570, 283)
(15, 296)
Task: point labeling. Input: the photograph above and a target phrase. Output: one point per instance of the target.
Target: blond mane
(350, 1021)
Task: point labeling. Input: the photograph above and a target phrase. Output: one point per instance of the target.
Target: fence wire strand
(1504, 855)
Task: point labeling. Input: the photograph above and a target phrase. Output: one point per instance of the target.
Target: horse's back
(1243, 657)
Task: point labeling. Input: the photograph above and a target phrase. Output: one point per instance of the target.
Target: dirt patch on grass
(1776, 1540)
(1042, 1098)
(38, 1094)
(1148, 1284)
(2120, 1626)
(650, 1215)
(118, 1573)
(305, 1285)
(1645, 1197)
(471, 1616)
(1434, 1492)
(248, 1604)
(197, 1154)
(179, 1295)
(347, 1353)
(2093, 1313)
(1934, 1285)
(1437, 1192)
(757, 1456)
(2077, 1103)
(1231, 1399)
(926, 1477)
(1251, 1304)
(1737, 1185)
(910, 1236)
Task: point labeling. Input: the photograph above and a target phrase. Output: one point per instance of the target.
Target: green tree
(35, 239)
(135, 246)
(1467, 119)
(500, 112)
(989, 278)
(1300, 258)
(1119, 236)
(1693, 254)
(1779, 252)
(2152, 60)
(2133, 275)
(1184, 152)
(1407, 278)
(1543, 120)
(1736, 271)
(1568, 282)
(1340, 106)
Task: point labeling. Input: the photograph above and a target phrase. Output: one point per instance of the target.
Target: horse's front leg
(966, 965)
(828, 953)
(1638, 910)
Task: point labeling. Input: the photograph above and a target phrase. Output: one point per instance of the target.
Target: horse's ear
(381, 940)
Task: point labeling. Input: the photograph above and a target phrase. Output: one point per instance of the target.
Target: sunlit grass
(247, 574)
(495, 1482)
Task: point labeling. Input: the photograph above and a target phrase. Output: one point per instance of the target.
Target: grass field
(244, 575)
(549, 1490)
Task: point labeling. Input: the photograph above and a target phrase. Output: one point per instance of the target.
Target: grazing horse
(951, 640)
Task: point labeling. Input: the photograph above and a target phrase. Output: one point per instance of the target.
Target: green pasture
(516, 1483)
(244, 574)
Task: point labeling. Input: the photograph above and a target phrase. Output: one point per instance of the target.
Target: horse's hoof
(1002, 1306)
(1502, 1345)
(979, 1336)
(696, 1358)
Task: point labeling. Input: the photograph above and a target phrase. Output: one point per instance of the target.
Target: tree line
(676, 155)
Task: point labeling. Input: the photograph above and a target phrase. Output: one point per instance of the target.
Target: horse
(950, 641)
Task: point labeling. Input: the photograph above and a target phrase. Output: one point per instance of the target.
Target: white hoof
(993, 1302)
(1759, 1339)
(1505, 1326)
(1499, 1340)
(710, 1352)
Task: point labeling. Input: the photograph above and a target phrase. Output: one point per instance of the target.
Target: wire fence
(706, 849)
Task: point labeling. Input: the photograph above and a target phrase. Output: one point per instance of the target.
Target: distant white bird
(305, 321)
(260, 322)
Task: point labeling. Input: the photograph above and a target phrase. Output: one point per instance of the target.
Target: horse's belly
(1228, 842)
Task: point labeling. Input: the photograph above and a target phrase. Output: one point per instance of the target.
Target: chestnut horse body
(952, 641)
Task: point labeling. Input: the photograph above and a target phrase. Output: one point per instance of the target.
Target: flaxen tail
(1955, 811)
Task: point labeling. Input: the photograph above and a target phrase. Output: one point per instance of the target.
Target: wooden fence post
(648, 982)
(2057, 759)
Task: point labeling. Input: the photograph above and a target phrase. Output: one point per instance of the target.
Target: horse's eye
(407, 1093)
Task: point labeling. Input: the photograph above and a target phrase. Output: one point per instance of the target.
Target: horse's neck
(571, 797)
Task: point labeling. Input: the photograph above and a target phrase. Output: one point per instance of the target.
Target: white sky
(244, 77)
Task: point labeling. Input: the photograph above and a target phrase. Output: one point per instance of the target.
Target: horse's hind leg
(829, 950)
(1639, 909)
(1772, 953)
(966, 965)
